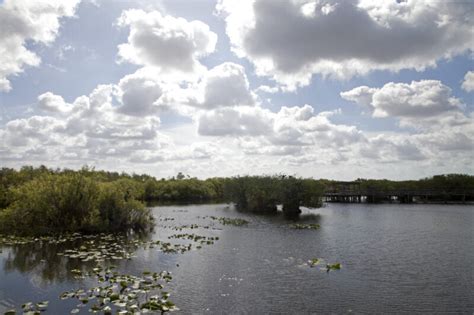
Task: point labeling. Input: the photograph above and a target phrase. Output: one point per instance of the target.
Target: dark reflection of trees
(308, 217)
(42, 259)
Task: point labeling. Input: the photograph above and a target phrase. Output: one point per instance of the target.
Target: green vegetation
(67, 202)
(262, 194)
(42, 201)
(313, 262)
(230, 221)
(126, 294)
(336, 266)
(299, 226)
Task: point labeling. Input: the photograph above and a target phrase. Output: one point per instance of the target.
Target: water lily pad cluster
(12, 240)
(30, 308)
(102, 247)
(167, 219)
(187, 227)
(329, 267)
(124, 294)
(336, 266)
(300, 226)
(230, 221)
(169, 248)
(196, 238)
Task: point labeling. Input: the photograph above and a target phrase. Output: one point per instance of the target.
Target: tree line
(41, 200)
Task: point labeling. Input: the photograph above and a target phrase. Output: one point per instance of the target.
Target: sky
(326, 89)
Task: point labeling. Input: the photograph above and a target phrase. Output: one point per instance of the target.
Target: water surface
(395, 258)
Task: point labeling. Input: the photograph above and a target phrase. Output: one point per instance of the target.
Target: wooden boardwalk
(401, 196)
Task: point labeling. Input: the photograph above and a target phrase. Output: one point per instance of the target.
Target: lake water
(395, 259)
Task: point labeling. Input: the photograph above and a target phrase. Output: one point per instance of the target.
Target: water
(395, 258)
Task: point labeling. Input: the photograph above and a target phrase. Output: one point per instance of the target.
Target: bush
(261, 194)
(73, 202)
(119, 208)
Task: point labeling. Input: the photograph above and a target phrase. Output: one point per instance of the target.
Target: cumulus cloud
(419, 99)
(293, 39)
(53, 103)
(468, 83)
(389, 148)
(90, 128)
(442, 128)
(165, 42)
(261, 131)
(225, 85)
(235, 122)
(139, 95)
(23, 21)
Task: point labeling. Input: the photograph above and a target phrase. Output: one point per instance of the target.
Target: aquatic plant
(313, 262)
(230, 221)
(30, 308)
(124, 293)
(299, 226)
(335, 266)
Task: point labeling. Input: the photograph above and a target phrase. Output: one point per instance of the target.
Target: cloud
(468, 83)
(23, 22)
(291, 40)
(139, 95)
(50, 102)
(226, 85)
(419, 99)
(235, 122)
(165, 42)
(261, 131)
(91, 128)
(392, 148)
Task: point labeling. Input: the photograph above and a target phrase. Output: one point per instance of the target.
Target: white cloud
(226, 129)
(235, 122)
(89, 129)
(23, 21)
(226, 85)
(139, 95)
(468, 83)
(417, 100)
(53, 103)
(268, 89)
(291, 40)
(261, 131)
(165, 42)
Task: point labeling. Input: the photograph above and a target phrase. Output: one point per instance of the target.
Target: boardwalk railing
(401, 195)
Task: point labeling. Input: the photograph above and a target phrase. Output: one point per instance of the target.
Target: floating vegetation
(313, 262)
(209, 240)
(167, 219)
(30, 308)
(169, 248)
(230, 221)
(299, 226)
(12, 240)
(336, 266)
(102, 247)
(188, 227)
(117, 293)
(124, 294)
(319, 261)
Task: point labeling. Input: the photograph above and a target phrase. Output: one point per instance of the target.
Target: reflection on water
(395, 258)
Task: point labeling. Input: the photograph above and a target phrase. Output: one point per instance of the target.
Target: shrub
(73, 202)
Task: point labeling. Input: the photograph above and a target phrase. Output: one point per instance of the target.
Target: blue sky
(156, 115)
